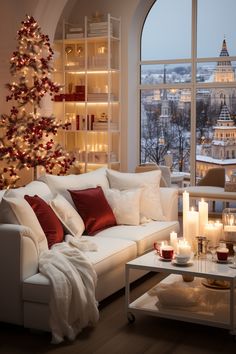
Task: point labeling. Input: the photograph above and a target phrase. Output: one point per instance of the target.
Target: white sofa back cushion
(150, 203)
(16, 210)
(61, 184)
(125, 205)
(69, 217)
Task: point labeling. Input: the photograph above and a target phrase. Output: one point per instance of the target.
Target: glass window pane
(171, 73)
(221, 71)
(165, 128)
(167, 31)
(216, 130)
(216, 21)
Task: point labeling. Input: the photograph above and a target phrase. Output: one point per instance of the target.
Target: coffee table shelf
(220, 313)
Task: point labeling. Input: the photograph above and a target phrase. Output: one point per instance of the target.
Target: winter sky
(167, 30)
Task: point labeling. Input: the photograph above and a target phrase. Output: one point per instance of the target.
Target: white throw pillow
(61, 184)
(16, 210)
(69, 217)
(125, 205)
(150, 203)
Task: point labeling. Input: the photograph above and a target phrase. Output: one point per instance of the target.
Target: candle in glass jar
(184, 248)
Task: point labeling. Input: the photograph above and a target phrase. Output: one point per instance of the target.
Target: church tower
(224, 141)
(224, 72)
(165, 110)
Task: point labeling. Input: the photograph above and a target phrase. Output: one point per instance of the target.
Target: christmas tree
(27, 137)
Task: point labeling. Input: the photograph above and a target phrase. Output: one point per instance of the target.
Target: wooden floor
(114, 335)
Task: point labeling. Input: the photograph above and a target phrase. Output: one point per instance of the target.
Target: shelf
(88, 68)
(212, 308)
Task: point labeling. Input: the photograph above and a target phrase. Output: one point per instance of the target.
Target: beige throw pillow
(16, 210)
(150, 202)
(125, 205)
(69, 217)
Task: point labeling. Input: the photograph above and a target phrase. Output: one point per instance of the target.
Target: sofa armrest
(18, 260)
(169, 203)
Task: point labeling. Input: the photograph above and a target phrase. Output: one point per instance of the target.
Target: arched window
(187, 82)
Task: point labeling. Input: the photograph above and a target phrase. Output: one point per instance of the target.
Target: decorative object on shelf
(28, 141)
(68, 49)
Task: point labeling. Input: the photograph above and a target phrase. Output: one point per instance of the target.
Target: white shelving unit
(88, 63)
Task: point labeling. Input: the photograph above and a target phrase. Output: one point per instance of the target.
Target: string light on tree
(27, 140)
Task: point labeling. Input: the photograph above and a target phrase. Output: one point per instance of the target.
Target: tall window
(188, 85)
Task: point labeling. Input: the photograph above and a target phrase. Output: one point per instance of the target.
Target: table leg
(231, 307)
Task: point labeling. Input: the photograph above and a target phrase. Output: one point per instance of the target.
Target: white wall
(49, 13)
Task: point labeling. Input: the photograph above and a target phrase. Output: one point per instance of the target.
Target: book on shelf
(74, 35)
(104, 125)
(76, 29)
(99, 96)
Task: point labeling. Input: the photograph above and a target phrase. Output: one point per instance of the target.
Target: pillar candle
(185, 210)
(173, 240)
(219, 227)
(203, 216)
(192, 228)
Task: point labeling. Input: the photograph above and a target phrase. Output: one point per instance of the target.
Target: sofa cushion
(125, 205)
(16, 210)
(48, 220)
(150, 204)
(94, 209)
(32, 188)
(144, 235)
(111, 254)
(70, 218)
(61, 184)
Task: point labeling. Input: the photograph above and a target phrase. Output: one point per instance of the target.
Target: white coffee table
(218, 315)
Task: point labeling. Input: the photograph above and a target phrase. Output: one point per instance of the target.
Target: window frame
(194, 86)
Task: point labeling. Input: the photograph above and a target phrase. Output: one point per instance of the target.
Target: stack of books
(101, 97)
(97, 29)
(104, 125)
(75, 32)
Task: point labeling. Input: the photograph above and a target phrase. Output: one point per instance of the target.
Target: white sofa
(25, 293)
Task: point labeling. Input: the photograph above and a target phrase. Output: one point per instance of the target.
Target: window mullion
(193, 93)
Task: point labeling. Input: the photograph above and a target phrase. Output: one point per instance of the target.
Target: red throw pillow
(94, 209)
(48, 220)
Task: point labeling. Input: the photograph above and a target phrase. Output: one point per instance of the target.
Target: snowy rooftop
(209, 159)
